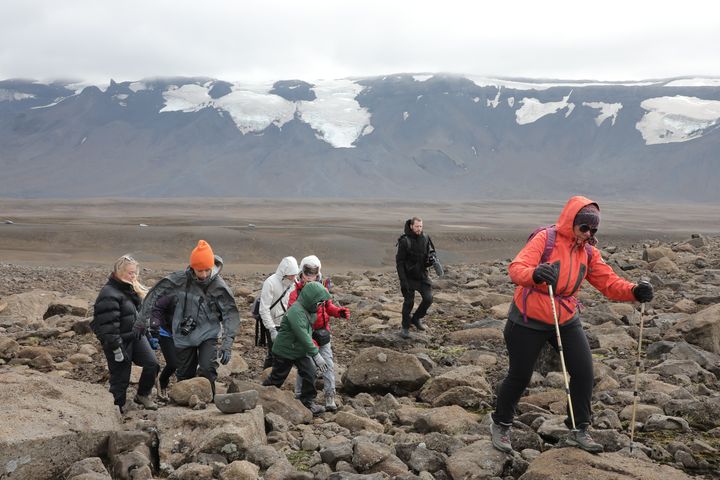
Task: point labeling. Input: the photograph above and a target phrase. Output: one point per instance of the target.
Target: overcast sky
(95, 40)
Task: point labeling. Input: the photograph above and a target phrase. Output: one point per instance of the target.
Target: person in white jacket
(274, 300)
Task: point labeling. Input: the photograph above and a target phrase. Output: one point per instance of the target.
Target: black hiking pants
(200, 360)
(305, 368)
(167, 347)
(524, 345)
(269, 357)
(136, 351)
(425, 288)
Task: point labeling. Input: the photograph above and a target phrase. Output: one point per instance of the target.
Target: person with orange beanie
(204, 310)
(561, 257)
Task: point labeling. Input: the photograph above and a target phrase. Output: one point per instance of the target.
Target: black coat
(116, 310)
(413, 255)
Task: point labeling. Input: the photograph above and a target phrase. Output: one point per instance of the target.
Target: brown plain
(252, 235)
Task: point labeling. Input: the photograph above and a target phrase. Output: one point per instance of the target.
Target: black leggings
(524, 345)
(167, 346)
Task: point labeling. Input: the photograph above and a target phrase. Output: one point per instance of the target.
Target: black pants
(425, 288)
(167, 346)
(269, 357)
(137, 352)
(524, 345)
(200, 360)
(306, 370)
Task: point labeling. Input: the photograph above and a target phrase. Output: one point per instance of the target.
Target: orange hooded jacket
(533, 300)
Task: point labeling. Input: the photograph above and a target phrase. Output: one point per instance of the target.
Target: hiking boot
(330, 405)
(405, 332)
(581, 438)
(500, 435)
(315, 409)
(146, 402)
(419, 324)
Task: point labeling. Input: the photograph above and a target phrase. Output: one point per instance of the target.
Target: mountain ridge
(436, 136)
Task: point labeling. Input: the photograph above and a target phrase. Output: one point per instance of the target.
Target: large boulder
(274, 400)
(38, 305)
(382, 370)
(701, 329)
(186, 434)
(471, 376)
(479, 460)
(568, 462)
(48, 423)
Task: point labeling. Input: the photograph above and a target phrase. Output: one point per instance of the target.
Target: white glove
(273, 334)
(320, 363)
(119, 357)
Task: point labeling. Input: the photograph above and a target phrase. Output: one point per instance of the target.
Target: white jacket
(272, 288)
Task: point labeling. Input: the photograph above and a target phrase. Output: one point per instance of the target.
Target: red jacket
(533, 300)
(324, 312)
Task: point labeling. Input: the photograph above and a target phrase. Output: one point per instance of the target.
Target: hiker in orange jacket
(562, 256)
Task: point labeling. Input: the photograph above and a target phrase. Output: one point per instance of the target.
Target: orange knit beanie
(202, 256)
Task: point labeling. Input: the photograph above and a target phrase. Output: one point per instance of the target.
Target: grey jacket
(209, 303)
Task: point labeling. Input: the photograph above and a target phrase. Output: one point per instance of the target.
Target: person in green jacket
(294, 345)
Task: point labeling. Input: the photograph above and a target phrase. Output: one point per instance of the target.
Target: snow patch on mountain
(533, 109)
(518, 85)
(13, 96)
(335, 114)
(496, 101)
(188, 98)
(422, 78)
(607, 110)
(137, 86)
(694, 82)
(254, 111)
(676, 119)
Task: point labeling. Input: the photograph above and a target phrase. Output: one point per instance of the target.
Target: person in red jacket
(531, 323)
(310, 272)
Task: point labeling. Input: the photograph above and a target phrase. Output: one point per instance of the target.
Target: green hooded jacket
(294, 339)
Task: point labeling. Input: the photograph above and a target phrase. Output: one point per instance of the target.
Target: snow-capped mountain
(414, 136)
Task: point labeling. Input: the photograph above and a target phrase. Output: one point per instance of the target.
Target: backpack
(550, 243)
(261, 333)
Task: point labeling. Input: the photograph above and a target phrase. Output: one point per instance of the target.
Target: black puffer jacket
(413, 253)
(116, 309)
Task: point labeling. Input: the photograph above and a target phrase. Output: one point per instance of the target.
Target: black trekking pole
(637, 373)
(562, 356)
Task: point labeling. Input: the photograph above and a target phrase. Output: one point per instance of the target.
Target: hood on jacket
(312, 294)
(287, 266)
(311, 261)
(567, 216)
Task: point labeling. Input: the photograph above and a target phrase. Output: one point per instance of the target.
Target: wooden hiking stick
(562, 356)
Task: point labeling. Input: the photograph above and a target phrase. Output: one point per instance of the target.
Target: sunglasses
(587, 228)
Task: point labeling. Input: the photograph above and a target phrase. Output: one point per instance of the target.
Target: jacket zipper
(572, 253)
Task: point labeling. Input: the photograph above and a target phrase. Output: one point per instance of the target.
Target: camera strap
(187, 287)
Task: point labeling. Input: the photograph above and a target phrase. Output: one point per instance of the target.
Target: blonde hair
(121, 265)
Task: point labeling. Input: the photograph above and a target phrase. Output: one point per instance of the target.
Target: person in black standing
(123, 341)
(415, 253)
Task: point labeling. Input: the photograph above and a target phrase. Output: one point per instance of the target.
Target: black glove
(643, 291)
(545, 273)
(224, 356)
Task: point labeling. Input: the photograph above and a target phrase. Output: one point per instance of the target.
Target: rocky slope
(409, 409)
